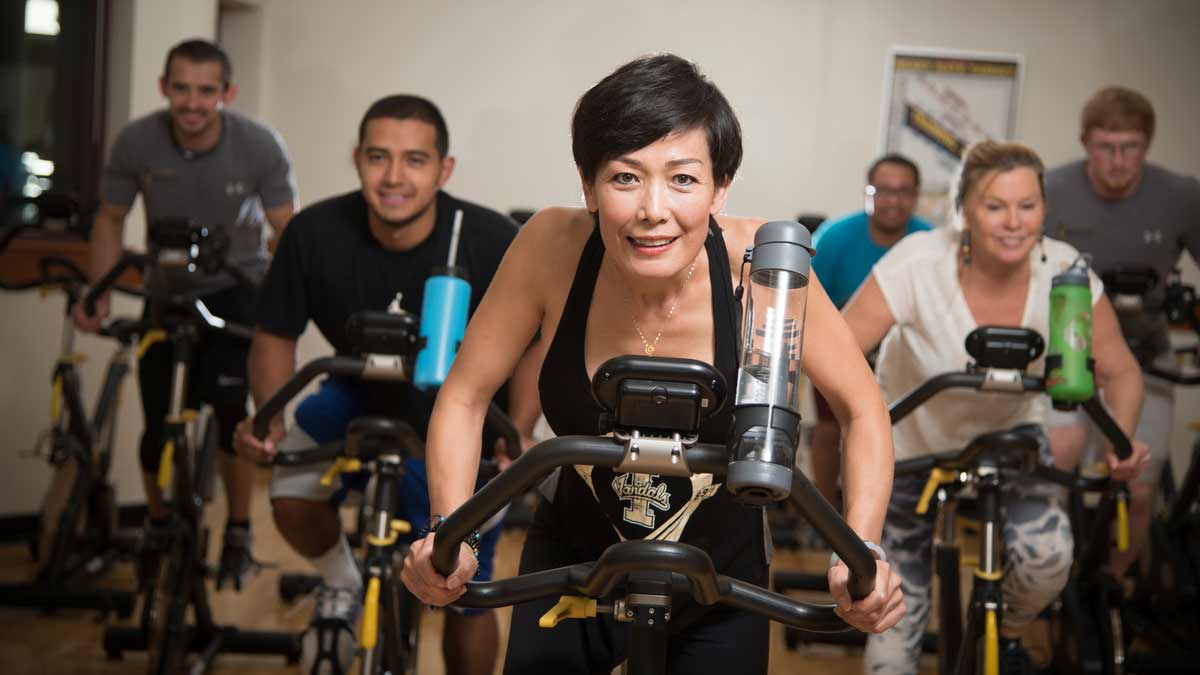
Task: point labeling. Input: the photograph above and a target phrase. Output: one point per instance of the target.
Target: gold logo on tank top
(642, 493)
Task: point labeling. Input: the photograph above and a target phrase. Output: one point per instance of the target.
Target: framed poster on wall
(936, 102)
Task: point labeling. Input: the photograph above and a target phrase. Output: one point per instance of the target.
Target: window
(51, 103)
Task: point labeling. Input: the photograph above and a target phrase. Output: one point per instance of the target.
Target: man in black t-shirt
(362, 251)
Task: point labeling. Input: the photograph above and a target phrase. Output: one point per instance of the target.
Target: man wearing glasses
(1126, 212)
(847, 248)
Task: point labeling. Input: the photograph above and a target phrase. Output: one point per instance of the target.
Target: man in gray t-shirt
(198, 162)
(1125, 212)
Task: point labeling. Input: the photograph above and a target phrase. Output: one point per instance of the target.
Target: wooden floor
(36, 643)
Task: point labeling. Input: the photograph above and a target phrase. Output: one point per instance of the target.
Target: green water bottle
(1069, 377)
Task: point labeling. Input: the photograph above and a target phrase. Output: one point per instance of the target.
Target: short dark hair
(646, 100)
(1118, 109)
(408, 107)
(200, 51)
(895, 158)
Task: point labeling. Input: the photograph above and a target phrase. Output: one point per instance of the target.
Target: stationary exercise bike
(1001, 356)
(78, 535)
(178, 582)
(655, 407)
(1154, 629)
(387, 344)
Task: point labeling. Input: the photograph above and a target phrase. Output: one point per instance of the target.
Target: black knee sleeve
(150, 449)
(227, 417)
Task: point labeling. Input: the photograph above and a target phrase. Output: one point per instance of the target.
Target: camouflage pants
(1037, 561)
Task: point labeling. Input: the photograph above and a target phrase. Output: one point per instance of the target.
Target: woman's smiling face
(654, 204)
(1005, 217)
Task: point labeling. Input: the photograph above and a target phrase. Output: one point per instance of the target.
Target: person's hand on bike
(250, 447)
(1132, 466)
(878, 611)
(424, 582)
(90, 323)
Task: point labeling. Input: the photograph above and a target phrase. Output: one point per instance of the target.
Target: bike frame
(651, 572)
(958, 652)
(180, 581)
(72, 556)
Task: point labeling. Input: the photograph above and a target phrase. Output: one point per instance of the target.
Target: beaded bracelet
(472, 540)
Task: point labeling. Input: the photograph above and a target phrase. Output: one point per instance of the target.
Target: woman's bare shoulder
(739, 234)
(552, 236)
(559, 225)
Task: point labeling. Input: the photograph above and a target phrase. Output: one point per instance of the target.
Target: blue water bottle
(443, 317)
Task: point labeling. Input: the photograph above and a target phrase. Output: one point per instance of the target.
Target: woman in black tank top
(715, 523)
(657, 146)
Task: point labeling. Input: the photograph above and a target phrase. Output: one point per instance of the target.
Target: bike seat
(1015, 449)
(367, 437)
(123, 330)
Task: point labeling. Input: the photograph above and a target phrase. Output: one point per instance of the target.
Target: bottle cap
(1075, 275)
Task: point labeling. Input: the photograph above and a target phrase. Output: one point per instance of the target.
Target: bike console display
(1129, 280)
(376, 332)
(1128, 286)
(657, 395)
(1004, 347)
(182, 243)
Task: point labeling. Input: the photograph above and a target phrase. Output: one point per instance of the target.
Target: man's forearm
(271, 363)
(104, 244)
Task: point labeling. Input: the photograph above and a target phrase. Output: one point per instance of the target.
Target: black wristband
(472, 539)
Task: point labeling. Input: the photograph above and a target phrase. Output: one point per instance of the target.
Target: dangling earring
(965, 247)
(1042, 245)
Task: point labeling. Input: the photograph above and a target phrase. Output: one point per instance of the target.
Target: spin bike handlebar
(358, 367)
(8, 234)
(367, 439)
(127, 260)
(69, 278)
(345, 366)
(1015, 439)
(326, 452)
(56, 271)
(691, 569)
(1015, 381)
(195, 307)
(1007, 380)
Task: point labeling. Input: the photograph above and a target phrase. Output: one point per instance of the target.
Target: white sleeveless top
(919, 280)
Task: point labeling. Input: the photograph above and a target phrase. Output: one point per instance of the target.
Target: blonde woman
(932, 289)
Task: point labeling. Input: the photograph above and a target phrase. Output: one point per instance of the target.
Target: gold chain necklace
(650, 347)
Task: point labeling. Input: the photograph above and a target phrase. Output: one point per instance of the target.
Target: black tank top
(596, 507)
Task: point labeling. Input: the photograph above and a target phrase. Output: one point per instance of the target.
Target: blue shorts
(325, 416)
